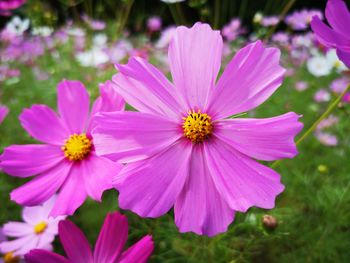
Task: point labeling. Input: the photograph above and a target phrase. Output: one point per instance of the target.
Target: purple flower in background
(154, 23)
(3, 112)
(269, 21)
(66, 162)
(37, 231)
(165, 37)
(301, 85)
(183, 148)
(326, 138)
(6, 6)
(338, 35)
(339, 85)
(281, 38)
(108, 248)
(328, 122)
(322, 95)
(232, 30)
(300, 19)
(94, 24)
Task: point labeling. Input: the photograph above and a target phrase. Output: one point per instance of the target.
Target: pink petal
(44, 256)
(151, 186)
(132, 136)
(242, 182)
(344, 56)
(111, 239)
(73, 105)
(42, 187)
(72, 193)
(29, 160)
(199, 207)
(3, 112)
(338, 16)
(17, 229)
(248, 80)
(195, 59)
(98, 173)
(264, 139)
(45, 240)
(74, 243)
(139, 252)
(43, 124)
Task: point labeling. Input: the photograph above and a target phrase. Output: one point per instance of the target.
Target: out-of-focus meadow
(43, 43)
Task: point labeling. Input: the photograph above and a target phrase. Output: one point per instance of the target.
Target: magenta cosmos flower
(3, 112)
(338, 16)
(37, 231)
(182, 148)
(8, 5)
(66, 162)
(108, 248)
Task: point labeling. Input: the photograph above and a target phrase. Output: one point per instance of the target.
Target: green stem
(180, 14)
(217, 14)
(124, 17)
(313, 127)
(174, 14)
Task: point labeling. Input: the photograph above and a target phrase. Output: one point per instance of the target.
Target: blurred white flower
(333, 59)
(99, 40)
(43, 31)
(172, 1)
(92, 58)
(319, 66)
(17, 26)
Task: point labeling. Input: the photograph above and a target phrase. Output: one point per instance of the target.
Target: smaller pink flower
(232, 30)
(37, 231)
(327, 138)
(8, 5)
(301, 85)
(270, 21)
(322, 95)
(154, 23)
(108, 248)
(3, 112)
(339, 85)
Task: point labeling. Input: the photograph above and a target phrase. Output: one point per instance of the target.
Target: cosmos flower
(339, 85)
(108, 248)
(8, 5)
(269, 21)
(17, 26)
(319, 66)
(37, 231)
(172, 1)
(92, 58)
(300, 19)
(326, 138)
(232, 30)
(154, 23)
(322, 95)
(301, 85)
(3, 112)
(182, 148)
(66, 161)
(338, 36)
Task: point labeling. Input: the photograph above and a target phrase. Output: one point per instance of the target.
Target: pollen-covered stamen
(40, 228)
(197, 126)
(10, 258)
(77, 147)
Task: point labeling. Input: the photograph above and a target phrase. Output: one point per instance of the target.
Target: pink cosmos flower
(3, 112)
(232, 30)
(108, 248)
(154, 23)
(300, 19)
(326, 138)
(182, 148)
(66, 161)
(339, 85)
(8, 5)
(338, 16)
(37, 231)
(270, 21)
(301, 85)
(322, 95)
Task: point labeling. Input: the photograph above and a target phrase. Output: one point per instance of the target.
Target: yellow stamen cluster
(40, 228)
(77, 147)
(10, 258)
(197, 126)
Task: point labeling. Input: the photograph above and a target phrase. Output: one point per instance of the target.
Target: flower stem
(217, 14)
(313, 127)
(124, 17)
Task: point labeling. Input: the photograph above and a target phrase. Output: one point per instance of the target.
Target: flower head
(182, 149)
(66, 161)
(108, 248)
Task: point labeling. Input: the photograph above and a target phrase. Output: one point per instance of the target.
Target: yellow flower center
(197, 126)
(40, 228)
(10, 258)
(77, 147)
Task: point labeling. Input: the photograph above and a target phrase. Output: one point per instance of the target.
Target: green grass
(313, 212)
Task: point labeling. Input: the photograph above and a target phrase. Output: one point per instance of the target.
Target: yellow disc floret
(197, 126)
(77, 147)
(40, 227)
(10, 258)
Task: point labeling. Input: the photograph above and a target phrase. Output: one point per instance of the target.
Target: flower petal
(43, 124)
(72, 193)
(32, 214)
(248, 80)
(344, 56)
(42, 187)
(199, 207)
(74, 243)
(139, 252)
(73, 105)
(29, 160)
(195, 60)
(112, 238)
(23, 243)
(242, 182)
(151, 186)
(338, 16)
(43, 256)
(264, 139)
(139, 80)
(131, 136)
(17, 229)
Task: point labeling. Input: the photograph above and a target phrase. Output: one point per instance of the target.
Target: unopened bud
(270, 222)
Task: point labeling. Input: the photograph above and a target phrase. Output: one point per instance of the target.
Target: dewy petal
(241, 181)
(195, 60)
(98, 173)
(139, 252)
(72, 193)
(131, 136)
(199, 208)
(42, 187)
(150, 187)
(73, 105)
(111, 239)
(29, 160)
(248, 80)
(74, 243)
(264, 139)
(43, 124)
(43, 256)
(338, 16)
(17, 229)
